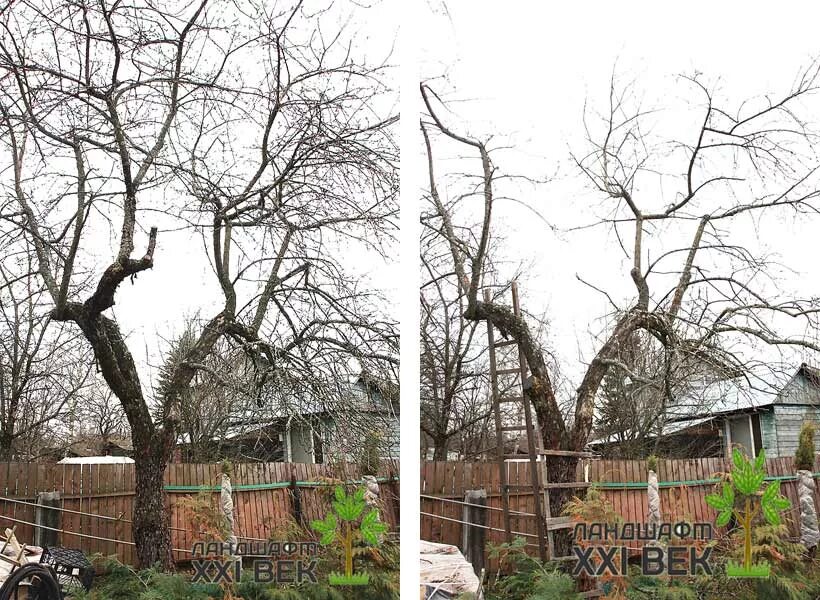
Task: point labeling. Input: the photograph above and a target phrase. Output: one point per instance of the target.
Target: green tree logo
(741, 496)
(339, 526)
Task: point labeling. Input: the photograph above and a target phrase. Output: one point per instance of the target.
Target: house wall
(799, 390)
(768, 432)
(343, 442)
(788, 421)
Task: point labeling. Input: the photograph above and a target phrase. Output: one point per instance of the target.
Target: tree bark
(440, 448)
(152, 521)
(561, 469)
(6, 439)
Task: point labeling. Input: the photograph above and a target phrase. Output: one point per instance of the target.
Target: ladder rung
(511, 399)
(521, 486)
(514, 428)
(516, 370)
(504, 343)
(518, 456)
(560, 523)
(570, 558)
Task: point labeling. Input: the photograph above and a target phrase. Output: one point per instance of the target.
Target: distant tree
(646, 390)
(103, 415)
(43, 367)
(454, 368)
(221, 399)
(631, 410)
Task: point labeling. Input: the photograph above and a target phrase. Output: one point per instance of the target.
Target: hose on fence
(44, 584)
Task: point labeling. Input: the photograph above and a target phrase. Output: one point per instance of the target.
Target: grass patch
(738, 570)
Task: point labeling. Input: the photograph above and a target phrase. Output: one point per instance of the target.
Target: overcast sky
(524, 73)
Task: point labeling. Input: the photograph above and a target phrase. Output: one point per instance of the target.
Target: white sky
(523, 73)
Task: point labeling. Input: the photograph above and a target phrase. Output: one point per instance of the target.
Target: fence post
(394, 496)
(46, 516)
(296, 493)
(475, 533)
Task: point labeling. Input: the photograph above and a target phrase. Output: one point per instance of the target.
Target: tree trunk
(561, 469)
(747, 537)
(348, 549)
(153, 444)
(6, 439)
(152, 522)
(440, 448)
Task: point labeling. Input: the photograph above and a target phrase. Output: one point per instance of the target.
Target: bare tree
(221, 398)
(246, 122)
(756, 161)
(98, 415)
(42, 366)
(453, 363)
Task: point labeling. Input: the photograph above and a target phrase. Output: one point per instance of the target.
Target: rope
(109, 518)
(68, 510)
(521, 533)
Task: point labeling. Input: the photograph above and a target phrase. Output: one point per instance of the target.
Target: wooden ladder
(520, 399)
(539, 483)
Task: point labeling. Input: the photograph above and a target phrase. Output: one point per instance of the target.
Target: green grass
(355, 579)
(738, 570)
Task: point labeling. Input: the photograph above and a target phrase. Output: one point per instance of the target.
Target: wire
(106, 517)
(477, 525)
(83, 535)
(512, 512)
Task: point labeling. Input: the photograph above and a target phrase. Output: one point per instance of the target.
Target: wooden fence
(684, 484)
(268, 497)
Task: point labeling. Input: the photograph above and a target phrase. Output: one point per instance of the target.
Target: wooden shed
(773, 425)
